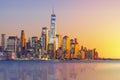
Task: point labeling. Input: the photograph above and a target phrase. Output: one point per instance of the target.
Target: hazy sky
(96, 23)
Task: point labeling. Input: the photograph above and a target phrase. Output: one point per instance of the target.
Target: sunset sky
(96, 23)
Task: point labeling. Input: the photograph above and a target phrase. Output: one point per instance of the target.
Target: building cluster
(50, 45)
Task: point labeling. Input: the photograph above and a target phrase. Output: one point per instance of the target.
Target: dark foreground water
(59, 70)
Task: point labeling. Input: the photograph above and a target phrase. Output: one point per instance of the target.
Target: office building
(74, 48)
(52, 50)
(3, 42)
(95, 54)
(23, 42)
(58, 41)
(82, 53)
(29, 44)
(52, 37)
(34, 43)
(12, 44)
(44, 40)
(52, 33)
(59, 53)
(18, 45)
(66, 47)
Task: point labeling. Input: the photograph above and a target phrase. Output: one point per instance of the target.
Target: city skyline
(94, 23)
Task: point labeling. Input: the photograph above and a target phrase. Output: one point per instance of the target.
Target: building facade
(44, 40)
(58, 41)
(23, 42)
(3, 42)
(66, 47)
(34, 43)
(52, 32)
(74, 48)
(12, 44)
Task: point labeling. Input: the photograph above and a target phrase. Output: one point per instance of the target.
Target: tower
(66, 47)
(52, 37)
(12, 44)
(44, 40)
(28, 44)
(22, 38)
(74, 48)
(34, 43)
(58, 41)
(52, 33)
(23, 41)
(3, 42)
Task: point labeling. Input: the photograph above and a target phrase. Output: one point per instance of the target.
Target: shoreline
(64, 61)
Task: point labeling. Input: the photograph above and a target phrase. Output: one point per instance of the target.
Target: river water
(59, 70)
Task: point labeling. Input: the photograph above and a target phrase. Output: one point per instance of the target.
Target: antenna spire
(52, 9)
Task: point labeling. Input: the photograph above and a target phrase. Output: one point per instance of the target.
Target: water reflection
(52, 70)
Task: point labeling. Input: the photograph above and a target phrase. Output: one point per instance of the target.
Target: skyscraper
(34, 43)
(82, 51)
(3, 42)
(23, 41)
(29, 44)
(52, 37)
(52, 50)
(52, 33)
(74, 48)
(18, 45)
(22, 38)
(12, 44)
(44, 40)
(58, 41)
(66, 46)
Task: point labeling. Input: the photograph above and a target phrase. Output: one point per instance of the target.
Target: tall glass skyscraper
(52, 37)
(52, 33)
(12, 44)
(23, 42)
(22, 38)
(44, 39)
(3, 42)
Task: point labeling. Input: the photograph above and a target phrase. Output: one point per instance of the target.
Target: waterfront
(59, 70)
